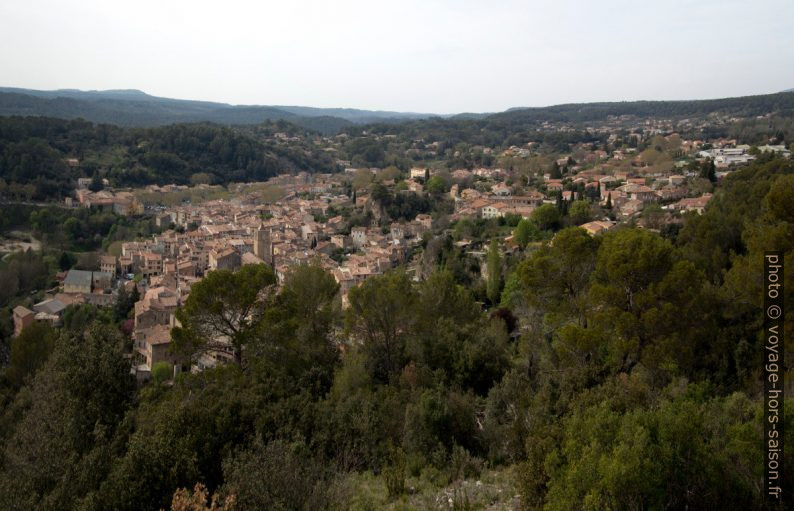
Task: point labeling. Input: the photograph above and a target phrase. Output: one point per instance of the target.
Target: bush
(162, 372)
(463, 465)
(394, 474)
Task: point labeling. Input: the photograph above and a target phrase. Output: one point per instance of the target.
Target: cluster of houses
(76, 287)
(627, 195)
(306, 226)
(230, 234)
(122, 203)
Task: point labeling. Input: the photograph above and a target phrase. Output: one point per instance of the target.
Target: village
(306, 219)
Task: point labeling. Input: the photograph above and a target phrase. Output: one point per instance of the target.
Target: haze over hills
(130, 107)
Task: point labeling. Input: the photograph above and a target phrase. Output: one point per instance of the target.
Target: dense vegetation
(747, 106)
(34, 150)
(611, 372)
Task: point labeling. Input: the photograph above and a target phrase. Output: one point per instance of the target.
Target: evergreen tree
(96, 183)
(555, 171)
(494, 284)
(709, 171)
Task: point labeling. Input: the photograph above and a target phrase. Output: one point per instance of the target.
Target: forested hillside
(620, 371)
(762, 118)
(34, 150)
(747, 106)
(135, 108)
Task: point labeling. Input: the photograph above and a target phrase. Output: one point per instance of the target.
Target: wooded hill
(33, 153)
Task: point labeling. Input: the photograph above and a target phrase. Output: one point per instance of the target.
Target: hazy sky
(423, 56)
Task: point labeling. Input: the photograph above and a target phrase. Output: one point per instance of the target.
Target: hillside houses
(310, 224)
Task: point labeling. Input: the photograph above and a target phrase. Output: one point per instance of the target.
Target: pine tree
(555, 171)
(709, 171)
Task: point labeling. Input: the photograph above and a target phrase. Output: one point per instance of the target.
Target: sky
(420, 56)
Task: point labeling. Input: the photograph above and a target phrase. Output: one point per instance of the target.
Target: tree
(225, 308)
(161, 372)
(65, 261)
(125, 302)
(381, 314)
(546, 217)
(653, 215)
(29, 351)
(679, 453)
(436, 185)
(96, 183)
(301, 322)
(555, 171)
(276, 476)
(362, 179)
(580, 212)
(59, 449)
(557, 276)
(780, 198)
(201, 178)
(708, 170)
(494, 261)
(525, 232)
(72, 228)
(650, 300)
(78, 317)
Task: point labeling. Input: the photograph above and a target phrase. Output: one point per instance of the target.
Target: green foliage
(525, 232)
(29, 351)
(709, 239)
(398, 205)
(680, 453)
(96, 184)
(436, 185)
(394, 474)
(300, 323)
(60, 445)
(224, 306)
(546, 217)
(708, 170)
(85, 229)
(494, 261)
(630, 381)
(579, 212)
(162, 372)
(438, 420)
(558, 275)
(276, 476)
(22, 273)
(125, 302)
(33, 151)
(381, 312)
(365, 152)
(77, 317)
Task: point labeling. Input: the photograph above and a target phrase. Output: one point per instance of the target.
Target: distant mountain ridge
(744, 106)
(131, 107)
